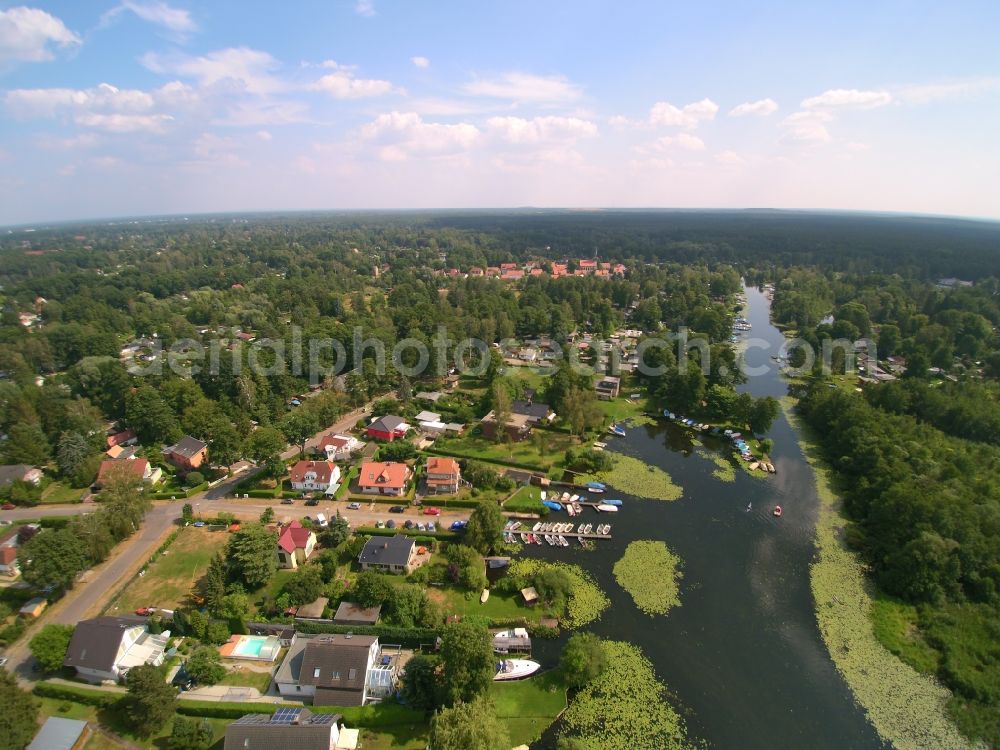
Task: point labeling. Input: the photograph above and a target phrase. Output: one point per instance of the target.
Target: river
(742, 654)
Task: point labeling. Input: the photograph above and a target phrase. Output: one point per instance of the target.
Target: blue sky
(149, 107)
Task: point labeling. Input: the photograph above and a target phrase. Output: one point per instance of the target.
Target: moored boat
(617, 430)
(777, 511)
(606, 508)
(613, 502)
(516, 669)
(552, 505)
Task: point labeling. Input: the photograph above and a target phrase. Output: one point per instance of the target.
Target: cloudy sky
(151, 107)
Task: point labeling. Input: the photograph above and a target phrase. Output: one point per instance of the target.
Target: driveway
(343, 424)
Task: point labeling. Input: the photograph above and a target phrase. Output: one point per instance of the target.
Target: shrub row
(187, 492)
(481, 459)
(417, 534)
(408, 637)
(88, 697)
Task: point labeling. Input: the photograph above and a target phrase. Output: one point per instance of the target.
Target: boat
(516, 669)
(770, 467)
(607, 508)
(754, 466)
(565, 497)
(616, 430)
(543, 494)
(571, 509)
(596, 486)
(525, 537)
(574, 499)
(515, 526)
(777, 511)
(600, 446)
(552, 505)
(563, 541)
(613, 502)
(484, 596)
(537, 526)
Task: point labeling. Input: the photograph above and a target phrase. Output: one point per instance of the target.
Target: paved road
(343, 424)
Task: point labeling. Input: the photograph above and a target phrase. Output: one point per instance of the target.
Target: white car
(3, 660)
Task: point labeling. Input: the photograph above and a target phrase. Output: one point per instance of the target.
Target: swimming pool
(264, 648)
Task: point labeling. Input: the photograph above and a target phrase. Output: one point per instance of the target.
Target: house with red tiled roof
(559, 269)
(443, 475)
(295, 544)
(508, 266)
(338, 447)
(309, 476)
(492, 271)
(512, 275)
(384, 478)
(587, 265)
(138, 467)
(125, 437)
(476, 271)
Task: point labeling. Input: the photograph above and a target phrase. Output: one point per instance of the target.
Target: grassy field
(543, 453)
(527, 707)
(170, 578)
(58, 492)
(244, 677)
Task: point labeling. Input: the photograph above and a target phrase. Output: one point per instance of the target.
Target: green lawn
(544, 452)
(168, 581)
(60, 492)
(245, 677)
(409, 737)
(527, 499)
(527, 707)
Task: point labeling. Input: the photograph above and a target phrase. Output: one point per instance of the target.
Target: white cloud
(525, 87)
(420, 62)
(116, 122)
(74, 143)
(685, 141)
(400, 135)
(248, 69)
(689, 116)
(759, 108)
(365, 8)
(519, 130)
(264, 135)
(806, 127)
(25, 35)
(834, 99)
(173, 19)
(341, 84)
(730, 159)
(104, 97)
(926, 93)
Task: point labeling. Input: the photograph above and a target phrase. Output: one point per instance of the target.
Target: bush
(97, 698)
(194, 478)
(406, 637)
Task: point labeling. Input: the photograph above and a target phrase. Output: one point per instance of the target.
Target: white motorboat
(537, 526)
(605, 508)
(512, 633)
(516, 669)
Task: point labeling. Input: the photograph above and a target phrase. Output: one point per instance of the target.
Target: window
(336, 676)
(316, 673)
(352, 674)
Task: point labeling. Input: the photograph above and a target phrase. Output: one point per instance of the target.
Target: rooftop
(380, 550)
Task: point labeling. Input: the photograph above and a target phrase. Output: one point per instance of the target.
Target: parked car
(408, 524)
(145, 611)
(432, 511)
(199, 524)
(458, 525)
(380, 524)
(312, 501)
(390, 524)
(8, 506)
(397, 509)
(287, 501)
(431, 526)
(3, 660)
(354, 506)
(421, 527)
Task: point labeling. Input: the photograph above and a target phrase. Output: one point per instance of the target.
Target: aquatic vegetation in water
(648, 571)
(724, 471)
(906, 707)
(640, 420)
(625, 708)
(638, 478)
(586, 600)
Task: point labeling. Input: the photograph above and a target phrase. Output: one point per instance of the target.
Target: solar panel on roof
(322, 718)
(285, 715)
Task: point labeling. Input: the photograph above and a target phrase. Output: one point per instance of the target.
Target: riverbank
(907, 708)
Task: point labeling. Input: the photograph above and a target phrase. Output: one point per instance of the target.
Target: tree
(267, 516)
(466, 567)
(371, 589)
(19, 718)
(304, 586)
(407, 607)
(337, 532)
(554, 586)
(49, 646)
(251, 557)
(469, 726)
(501, 404)
(190, 734)
(763, 413)
(485, 526)
(469, 663)
(570, 743)
(150, 416)
(187, 513)
(53, 558)
(205, 666)
(421, 686)
(298, 427)
(26, 444)
(263, 445)
(583, 659)
(212, 585)
(73, 450)
(151, 701)
(194, 478)
(235, 605)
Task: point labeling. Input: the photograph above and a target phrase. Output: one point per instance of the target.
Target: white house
(308, 476)
(335, 670)
(338, 447)
(106, 648)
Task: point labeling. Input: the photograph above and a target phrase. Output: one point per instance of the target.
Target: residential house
(428, 416)
(138, 467)
(534, 411)
(396, 554)
(384, 478)
(518, 427)
(430, 423)
(388, 428)
(187, 454)
(334, 670)
(58, 733)
(352, 613)
(123, 438)
(312, 610)
(8, 562)
(443, 475)
(321, 476)
(121, 453)
(106, 648)
(19, 473)
(338, 447)
(432, 396)
(607, 387)
(291, 728)
(295, 544)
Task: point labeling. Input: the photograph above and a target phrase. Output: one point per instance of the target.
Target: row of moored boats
(551, 533)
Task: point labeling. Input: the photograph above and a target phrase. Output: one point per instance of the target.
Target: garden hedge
(88, 697)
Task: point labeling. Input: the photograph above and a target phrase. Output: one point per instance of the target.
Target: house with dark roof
(288, 728)
(352, 613)
(19, 473)
(295, 544)
(58, 733)
(187, 454)
(396, 554)
(518, 427)
(106, 648)
(334, 670)
(534, 411)
(388, 428)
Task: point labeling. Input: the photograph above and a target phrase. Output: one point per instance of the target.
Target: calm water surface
(743, 654)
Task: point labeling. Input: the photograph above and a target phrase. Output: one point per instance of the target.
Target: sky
(142, 107)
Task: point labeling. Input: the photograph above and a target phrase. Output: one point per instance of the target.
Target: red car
(145, 611)
(432, 511)
(8, 506)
